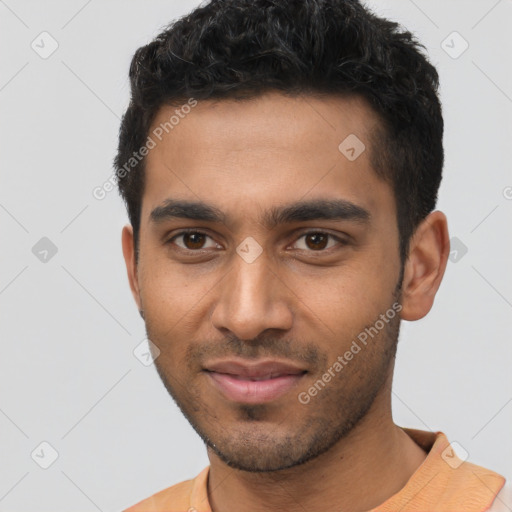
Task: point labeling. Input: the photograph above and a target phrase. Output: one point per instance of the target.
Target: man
(280, 162)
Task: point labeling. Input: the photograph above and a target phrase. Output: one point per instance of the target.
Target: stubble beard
(255, 443)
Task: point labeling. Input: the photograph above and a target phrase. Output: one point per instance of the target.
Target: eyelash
(340, 241)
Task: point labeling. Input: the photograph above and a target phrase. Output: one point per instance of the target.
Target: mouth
(254, 382)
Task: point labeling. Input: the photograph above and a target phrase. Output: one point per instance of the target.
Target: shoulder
(503, 500)
(176, 497)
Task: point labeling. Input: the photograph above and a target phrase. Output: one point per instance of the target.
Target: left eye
(192, 240)
(317, 240)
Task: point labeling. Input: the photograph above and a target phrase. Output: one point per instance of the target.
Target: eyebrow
(302, 211)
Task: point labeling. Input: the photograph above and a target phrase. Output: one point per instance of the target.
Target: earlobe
(131, 265)
(429, 249)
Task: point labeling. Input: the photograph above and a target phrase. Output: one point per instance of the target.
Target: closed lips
(264, 377)
(242, 381)
(256, 370)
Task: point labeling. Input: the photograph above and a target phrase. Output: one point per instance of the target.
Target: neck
(372, 463)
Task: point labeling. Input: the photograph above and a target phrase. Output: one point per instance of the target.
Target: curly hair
(244, 48)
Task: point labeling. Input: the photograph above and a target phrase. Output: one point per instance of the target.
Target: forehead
(249, 123)
(271, 149)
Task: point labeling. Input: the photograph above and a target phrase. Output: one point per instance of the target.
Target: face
(266, 257)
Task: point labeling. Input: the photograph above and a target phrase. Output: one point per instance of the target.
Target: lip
(254, 382)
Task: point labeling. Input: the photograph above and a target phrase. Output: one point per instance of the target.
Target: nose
(252, 299)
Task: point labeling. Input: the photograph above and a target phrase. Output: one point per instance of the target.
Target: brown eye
(316, 240)
(192, 240)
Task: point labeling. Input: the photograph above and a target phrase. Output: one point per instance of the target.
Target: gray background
(68, 324)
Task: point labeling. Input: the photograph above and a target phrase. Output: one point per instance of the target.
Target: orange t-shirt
(442, 483)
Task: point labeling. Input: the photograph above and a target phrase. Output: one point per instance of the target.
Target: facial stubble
(256, 441)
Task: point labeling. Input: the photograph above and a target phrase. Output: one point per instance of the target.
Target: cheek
(354, 296)
(378, 267)
(163, 281)
(172, 296)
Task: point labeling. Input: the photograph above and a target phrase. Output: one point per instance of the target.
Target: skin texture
(304, 299)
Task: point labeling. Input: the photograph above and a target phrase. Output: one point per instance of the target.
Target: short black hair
(244, 48)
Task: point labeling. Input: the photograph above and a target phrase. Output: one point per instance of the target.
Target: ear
(131, 265)
(429, 249)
